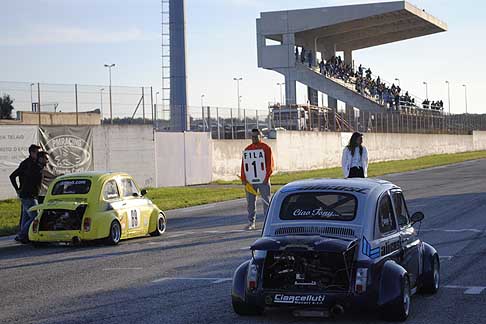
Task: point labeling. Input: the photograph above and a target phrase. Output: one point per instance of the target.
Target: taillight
(87, 224)
(252, 277)
(35, 225)
(361, 280)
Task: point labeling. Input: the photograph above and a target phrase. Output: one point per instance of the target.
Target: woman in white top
(355, 158)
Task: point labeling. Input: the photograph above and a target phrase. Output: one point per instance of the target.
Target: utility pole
(238, 95)
(109, 66)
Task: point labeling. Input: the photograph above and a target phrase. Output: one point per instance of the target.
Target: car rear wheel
(400, 309)
(431, 282)
(115, 233)
(161, 225)
(245, 309)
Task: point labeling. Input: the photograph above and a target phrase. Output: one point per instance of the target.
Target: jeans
(264, 190)
(27, 217)
(356, 172)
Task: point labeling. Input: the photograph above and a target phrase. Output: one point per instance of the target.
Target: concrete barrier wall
(126, 148)
(299, 151)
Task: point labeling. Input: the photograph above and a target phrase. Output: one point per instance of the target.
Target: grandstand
(302, 45)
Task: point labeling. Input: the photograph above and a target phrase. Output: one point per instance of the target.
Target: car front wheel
(161, 225)
(245, 309)
(431, 282)
(115, 233)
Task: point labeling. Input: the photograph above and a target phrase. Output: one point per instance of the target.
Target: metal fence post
(217, 122)
(39, 103)
(246, 128)
(232, 124)
(152, 106)
(203, 119)
(76, 100)
(257, 123)
(143, 105)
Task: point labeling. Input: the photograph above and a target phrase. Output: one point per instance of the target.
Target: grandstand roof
(351, 27)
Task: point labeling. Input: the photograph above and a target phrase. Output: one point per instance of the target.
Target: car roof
(93, 175)
(339, 184)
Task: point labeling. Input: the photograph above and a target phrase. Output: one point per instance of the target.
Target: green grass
(180, 197)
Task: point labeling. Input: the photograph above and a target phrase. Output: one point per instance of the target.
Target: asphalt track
(184, 276)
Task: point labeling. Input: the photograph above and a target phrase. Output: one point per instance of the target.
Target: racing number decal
(133, 218)
(254, 165)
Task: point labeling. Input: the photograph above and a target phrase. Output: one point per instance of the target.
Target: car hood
(60, 204)
(304, 243)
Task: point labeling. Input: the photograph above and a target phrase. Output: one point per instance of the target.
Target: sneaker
(250, 227)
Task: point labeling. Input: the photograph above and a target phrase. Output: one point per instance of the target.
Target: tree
(6, 107)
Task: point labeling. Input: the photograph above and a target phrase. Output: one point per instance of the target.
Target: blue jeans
(27, 216)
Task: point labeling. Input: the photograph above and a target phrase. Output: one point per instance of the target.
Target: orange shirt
(269, 164)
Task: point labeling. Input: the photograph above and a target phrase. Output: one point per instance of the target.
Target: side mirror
(143, 192)
(417, 217)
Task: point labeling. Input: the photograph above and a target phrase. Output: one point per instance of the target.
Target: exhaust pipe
(337, 310)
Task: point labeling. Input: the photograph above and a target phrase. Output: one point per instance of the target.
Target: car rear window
(319, 206)
(71, 187)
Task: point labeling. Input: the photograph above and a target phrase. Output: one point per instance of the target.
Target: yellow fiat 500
(93, 206)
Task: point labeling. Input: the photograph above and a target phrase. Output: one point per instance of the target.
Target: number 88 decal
(134, 220)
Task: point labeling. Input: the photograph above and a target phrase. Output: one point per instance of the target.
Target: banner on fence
(70, 148)
(14, 145)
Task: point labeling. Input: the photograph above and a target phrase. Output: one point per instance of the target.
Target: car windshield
(319, 206)
(71, 187)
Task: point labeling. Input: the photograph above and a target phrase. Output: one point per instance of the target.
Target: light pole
(449, 95)
(281, 96)
(426, 90)
(398, 80)
(465, 95)
(238, 94)
(202, 100)
(109, 66)
(101, 102)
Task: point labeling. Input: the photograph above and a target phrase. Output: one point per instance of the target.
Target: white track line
(452, 230)
(213, 280)
(468, 290)
(121, 269)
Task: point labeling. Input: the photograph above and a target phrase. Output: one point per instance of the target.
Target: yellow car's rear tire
(161, 225)
(115, 233)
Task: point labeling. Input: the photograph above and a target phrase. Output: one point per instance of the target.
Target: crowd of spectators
(364, 82)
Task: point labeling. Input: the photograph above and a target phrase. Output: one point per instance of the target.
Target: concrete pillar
(329, 52)
(348, 57)
(290, 88)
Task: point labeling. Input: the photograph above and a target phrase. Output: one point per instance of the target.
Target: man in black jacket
(29, 173)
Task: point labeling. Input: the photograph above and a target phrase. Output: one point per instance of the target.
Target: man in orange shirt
(256, 168)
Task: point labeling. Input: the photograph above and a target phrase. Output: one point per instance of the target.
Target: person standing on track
(355, 158)
(256, 169)
(29, 173)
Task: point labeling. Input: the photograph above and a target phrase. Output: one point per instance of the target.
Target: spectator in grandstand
(296, 54)
(322, 67)
(355, 158)
(310, 59)
(302, 55)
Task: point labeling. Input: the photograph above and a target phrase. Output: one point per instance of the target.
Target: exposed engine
(62, 220)
(307, 271)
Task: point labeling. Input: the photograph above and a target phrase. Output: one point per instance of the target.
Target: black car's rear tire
(161, 225)
(399, 310)
(245, 309)
(115, 233)
(431, 280)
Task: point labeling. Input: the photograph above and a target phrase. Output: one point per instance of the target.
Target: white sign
(133, 218)
(254, 166)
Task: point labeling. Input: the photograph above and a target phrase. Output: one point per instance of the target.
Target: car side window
(129, 189)
(401, 209)
(386, 218)
(110, 190)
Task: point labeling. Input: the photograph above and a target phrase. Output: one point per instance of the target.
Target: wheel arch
(238, 290)
(390, 285)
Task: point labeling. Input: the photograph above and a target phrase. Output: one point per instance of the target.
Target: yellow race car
(92, 206)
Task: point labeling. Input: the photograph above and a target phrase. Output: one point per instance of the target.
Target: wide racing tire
(431, 280)
(161, 225)
(399, 310)
(115, 233)
(245, 309)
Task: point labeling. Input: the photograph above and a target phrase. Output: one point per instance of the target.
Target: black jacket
(29, 173)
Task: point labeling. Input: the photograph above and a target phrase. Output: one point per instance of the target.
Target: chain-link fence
(118, 103)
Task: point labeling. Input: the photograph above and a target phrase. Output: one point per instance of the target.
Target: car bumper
(61, 236)
(299, 299)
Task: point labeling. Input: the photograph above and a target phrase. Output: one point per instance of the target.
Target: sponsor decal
(320, 212)
(299, 299)
(368, 251)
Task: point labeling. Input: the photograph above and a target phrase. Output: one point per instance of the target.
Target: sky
(69, 41)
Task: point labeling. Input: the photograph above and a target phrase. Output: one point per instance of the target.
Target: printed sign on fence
(14, 145)
(70, 148)
(254, 165)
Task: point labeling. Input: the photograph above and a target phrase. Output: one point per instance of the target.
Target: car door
(387, 236)
(135, 207)
(111, 196)
(410, 243)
